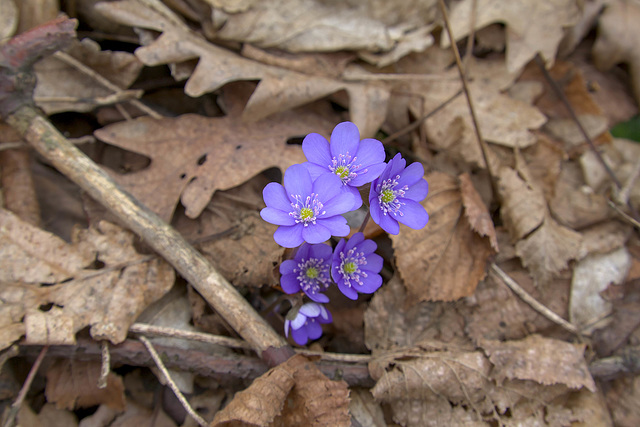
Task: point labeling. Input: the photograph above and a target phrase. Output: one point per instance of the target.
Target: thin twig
(70, 60)
(472, 34)
(105, 366)
(11, 145)
(624, 215)
(15, 407)
(465, 87)
(537, 306)
(171, 383)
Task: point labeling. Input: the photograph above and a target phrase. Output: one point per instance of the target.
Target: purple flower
(355, 162)
(355, 267)
(305, 322)
(306, 210)
(308, 272)
(394, 196)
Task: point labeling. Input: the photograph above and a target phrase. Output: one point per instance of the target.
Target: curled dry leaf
(193, 156)
(263, 400)
(476, 212)
(315, 399)
(445, 260)
(73, 384)
(543, 360)
(531, 28)
(523, 206)
(279, 89)
(62, 87)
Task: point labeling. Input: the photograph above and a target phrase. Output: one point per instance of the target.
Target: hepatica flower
(395, 195)
(305, 323)
(308, 272)
(306, 210)
(355, 162)
(355, 266)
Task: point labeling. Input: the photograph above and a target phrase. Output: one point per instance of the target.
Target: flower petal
(342, 203)
(397, 165)
(277, 217)
(370, 284)
(327, 186)
(355, 195)
(316, 149)
(374, 264)
(290, 283)
(314, 330)
(275, 196)
(389, 224)
(325, 315)
(316, 233)
(344, 139)
(414, 215)
(374, 208)
(297, 181)
(367, 247)
(310, 309)
(372, 173)
(315, 170)
(321, 251)
(418, 191)
(300, 336)
(347, 291)
(412, 174)
(287, 325)
(317, 297)
(337, 225)
(287, 266)
(299, 321)
(289, 236)
(370, 152)
(356, 239)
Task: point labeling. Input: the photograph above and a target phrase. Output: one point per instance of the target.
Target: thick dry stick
(166, 241)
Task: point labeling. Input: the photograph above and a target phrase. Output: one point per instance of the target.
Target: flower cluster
(308, 211)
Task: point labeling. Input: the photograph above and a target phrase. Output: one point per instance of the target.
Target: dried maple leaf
(445, 260)
(544, 360)
(193, 156)
(279, 89)
(531, 27)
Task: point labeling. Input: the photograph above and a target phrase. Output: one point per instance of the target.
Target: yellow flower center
(388, 196)
(312, 273)
(342, 171)
(349, 267)
(306, 213)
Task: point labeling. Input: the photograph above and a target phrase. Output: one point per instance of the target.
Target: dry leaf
(279, 89)
(575, 204)
(476, 212)
(604, 237)
(623, 400)
(543, 360)
(364, 409)
(108, 299)
(315, 399)
(29, 254)
(548, 250)
(36, 12)
(567, 130)
(73, 384)
(9, 16)
(460, 377)
(390, 324)
(445, 260)
(531, 28)
(263, 400)
(62, 87)
(503, 120)
(591, 276)
(495, 312)
(194, 156)
(617, 39)
(523, 206)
